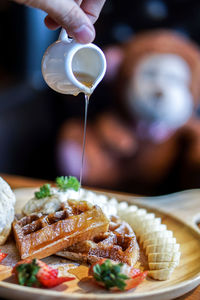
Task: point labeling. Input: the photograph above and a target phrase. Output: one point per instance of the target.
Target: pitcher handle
(64, 36)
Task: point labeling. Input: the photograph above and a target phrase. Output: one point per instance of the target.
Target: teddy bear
(149, 142)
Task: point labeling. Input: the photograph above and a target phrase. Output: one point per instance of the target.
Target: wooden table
(19, 182)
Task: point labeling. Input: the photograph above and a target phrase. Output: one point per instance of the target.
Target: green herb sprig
(45, 191)
(64, 183)
(110, 275)
(27, 272)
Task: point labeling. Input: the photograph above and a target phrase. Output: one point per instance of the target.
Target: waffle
(38, 236)
(118, 243)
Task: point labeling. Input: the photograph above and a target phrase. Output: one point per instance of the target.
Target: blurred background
(33, 117)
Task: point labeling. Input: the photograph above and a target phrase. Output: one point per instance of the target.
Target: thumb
(67, 14)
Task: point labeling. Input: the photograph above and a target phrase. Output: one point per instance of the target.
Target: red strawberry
(2, 256)
(36, 273)
(114, 276)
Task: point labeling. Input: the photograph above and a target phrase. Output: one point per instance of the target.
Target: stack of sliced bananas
(158, 242)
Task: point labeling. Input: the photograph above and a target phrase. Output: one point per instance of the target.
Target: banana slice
(146, 223)
(128, 214)
(162, 274)
(133, 208)
(140, 212)
(137, 219)
(141, 216)
(164, 257)
(122, 206)
(153, 228)
(161, 240)
(133, 218)
(138, 215)
(113, 202)
(162, 265)
(158, 248)
(156, 234)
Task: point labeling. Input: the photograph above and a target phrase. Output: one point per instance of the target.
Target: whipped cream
(51, 204)
(7, 202)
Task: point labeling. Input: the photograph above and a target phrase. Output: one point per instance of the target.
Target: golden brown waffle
(118, 243)
(39, 236)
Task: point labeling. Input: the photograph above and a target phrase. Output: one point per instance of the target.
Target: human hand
(76, 16)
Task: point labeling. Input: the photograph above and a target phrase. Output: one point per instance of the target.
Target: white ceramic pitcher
(65, 59)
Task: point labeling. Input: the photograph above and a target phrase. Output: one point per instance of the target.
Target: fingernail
(84, 34)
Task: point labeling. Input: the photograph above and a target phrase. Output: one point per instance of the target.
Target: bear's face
(159, 92)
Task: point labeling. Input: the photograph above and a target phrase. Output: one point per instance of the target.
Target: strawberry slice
(2, 255)
(135, 280)
(114, 276)
(36, 273)
(48, 276)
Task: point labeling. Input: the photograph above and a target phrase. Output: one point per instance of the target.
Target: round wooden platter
(180, 212)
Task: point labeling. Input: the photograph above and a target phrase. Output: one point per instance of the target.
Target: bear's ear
(114, 56)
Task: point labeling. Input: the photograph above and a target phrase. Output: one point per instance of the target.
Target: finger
(69, 15)
(50, 23)
(78, 2)
(92, 8)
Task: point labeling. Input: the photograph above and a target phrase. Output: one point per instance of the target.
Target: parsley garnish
(26, 273)
(110, 275)
(64, 183)
(45, 191)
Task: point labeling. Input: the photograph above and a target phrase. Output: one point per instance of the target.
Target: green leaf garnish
(45, 191)
(26, 273)
(64, 183)
(110, 275)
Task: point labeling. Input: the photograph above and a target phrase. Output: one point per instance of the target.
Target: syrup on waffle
(118, 243)
(38, 236)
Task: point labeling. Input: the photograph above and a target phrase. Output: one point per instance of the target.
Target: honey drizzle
(88, 81)
(85, 79)
(84, 137)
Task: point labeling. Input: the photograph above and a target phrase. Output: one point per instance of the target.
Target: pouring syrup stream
(87, 97)
(88, 81)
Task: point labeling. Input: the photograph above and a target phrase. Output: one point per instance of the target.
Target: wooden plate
(180, 212)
